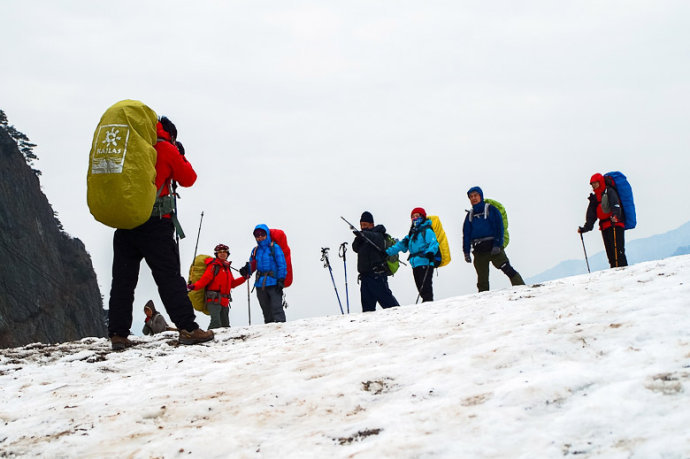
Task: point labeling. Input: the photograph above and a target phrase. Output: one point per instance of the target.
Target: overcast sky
(294, 113)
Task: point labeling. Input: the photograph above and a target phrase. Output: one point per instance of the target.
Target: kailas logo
(110, 149)
(111, 137)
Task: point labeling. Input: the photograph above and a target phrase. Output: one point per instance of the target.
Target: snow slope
(589, 366)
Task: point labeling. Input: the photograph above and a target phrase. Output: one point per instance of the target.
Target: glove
(581, 229)
(495, 250)
(430, 256)
(244, 271)
(190, 286)
(281, 283)
(468, 259)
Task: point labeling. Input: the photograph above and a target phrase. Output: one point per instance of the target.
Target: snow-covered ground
(589, 366)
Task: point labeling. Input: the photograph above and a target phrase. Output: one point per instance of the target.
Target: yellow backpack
(198, 296)
(120, 184)
(441, 238)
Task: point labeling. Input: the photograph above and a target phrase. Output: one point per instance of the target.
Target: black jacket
(610, 202)
(371, 258)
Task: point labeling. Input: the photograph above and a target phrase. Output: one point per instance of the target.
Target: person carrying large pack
(372, 264)
(128, 140)
(483, 233)
(424, 251)
(215, 283)
(615, 215)
(269, 261)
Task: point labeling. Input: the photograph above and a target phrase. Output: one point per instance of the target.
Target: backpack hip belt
(214, 296)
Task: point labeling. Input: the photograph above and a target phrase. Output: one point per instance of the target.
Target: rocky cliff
(48, 288)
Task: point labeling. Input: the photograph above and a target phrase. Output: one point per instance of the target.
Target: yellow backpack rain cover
(198, 296)
(441, 238)
(121, 180)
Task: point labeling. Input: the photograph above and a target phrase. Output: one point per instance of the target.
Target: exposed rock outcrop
(48, 288)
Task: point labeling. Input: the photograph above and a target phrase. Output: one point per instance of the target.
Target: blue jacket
(482, 226)
(419, 242)
(270, 261)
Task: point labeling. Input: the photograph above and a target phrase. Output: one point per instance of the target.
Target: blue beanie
(478, 190)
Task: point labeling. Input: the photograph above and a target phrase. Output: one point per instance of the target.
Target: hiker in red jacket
(154, 242)
(605, 205)
(218, 281)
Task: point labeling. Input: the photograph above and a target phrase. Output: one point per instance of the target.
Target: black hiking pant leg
(161, 254)
(271, 302)
(126, 263)
(423, 278)
(375, 289)
(614, 243)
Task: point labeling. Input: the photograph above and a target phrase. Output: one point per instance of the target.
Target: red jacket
(604, 218)
(170, 164)
(222, 282)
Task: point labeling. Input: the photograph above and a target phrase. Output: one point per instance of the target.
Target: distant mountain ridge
(671, 243)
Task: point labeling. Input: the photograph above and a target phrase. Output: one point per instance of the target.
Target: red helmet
(221, 248)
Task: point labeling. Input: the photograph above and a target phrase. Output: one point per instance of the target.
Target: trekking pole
(198, 234)
(360, 233)
(249, 309)
(585, 249)
(615, 246)
(419, 291)
(341, 254)
(327, 264)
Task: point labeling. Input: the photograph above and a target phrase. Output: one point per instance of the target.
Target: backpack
(279, 237)
(392, 261)
(504, 216)
(620, 183)
(120, 184)
(443, 254)
(198, 297)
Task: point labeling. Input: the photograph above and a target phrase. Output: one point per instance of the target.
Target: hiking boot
(196, 336)
(119, 343)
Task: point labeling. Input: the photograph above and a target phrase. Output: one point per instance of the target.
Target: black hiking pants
(423, 278)
(153, 241)
(614, 242)
(271, 302)
(375, 289)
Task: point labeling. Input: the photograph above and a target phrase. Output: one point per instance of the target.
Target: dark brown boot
(196, 336)
(119, 343)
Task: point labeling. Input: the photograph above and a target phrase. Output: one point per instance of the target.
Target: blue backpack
(622, 186)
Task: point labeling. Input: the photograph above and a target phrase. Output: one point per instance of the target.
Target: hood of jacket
(266, 241)
(162, 133)
(602, 184)
(478, 190)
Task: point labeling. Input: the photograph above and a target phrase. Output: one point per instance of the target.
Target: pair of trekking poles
(327, 264)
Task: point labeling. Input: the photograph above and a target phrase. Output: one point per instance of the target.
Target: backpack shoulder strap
(486, 210)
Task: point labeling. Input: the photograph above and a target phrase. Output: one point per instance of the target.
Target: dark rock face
(48, 288)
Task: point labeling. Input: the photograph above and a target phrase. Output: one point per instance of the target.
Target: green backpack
(393, 261)
(502, 210)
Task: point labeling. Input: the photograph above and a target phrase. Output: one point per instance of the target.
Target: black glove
(468, 259)
(581, 229)
(430, 256)
(495, 250)
(244, 271)
(281, 283)
(190, 286)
